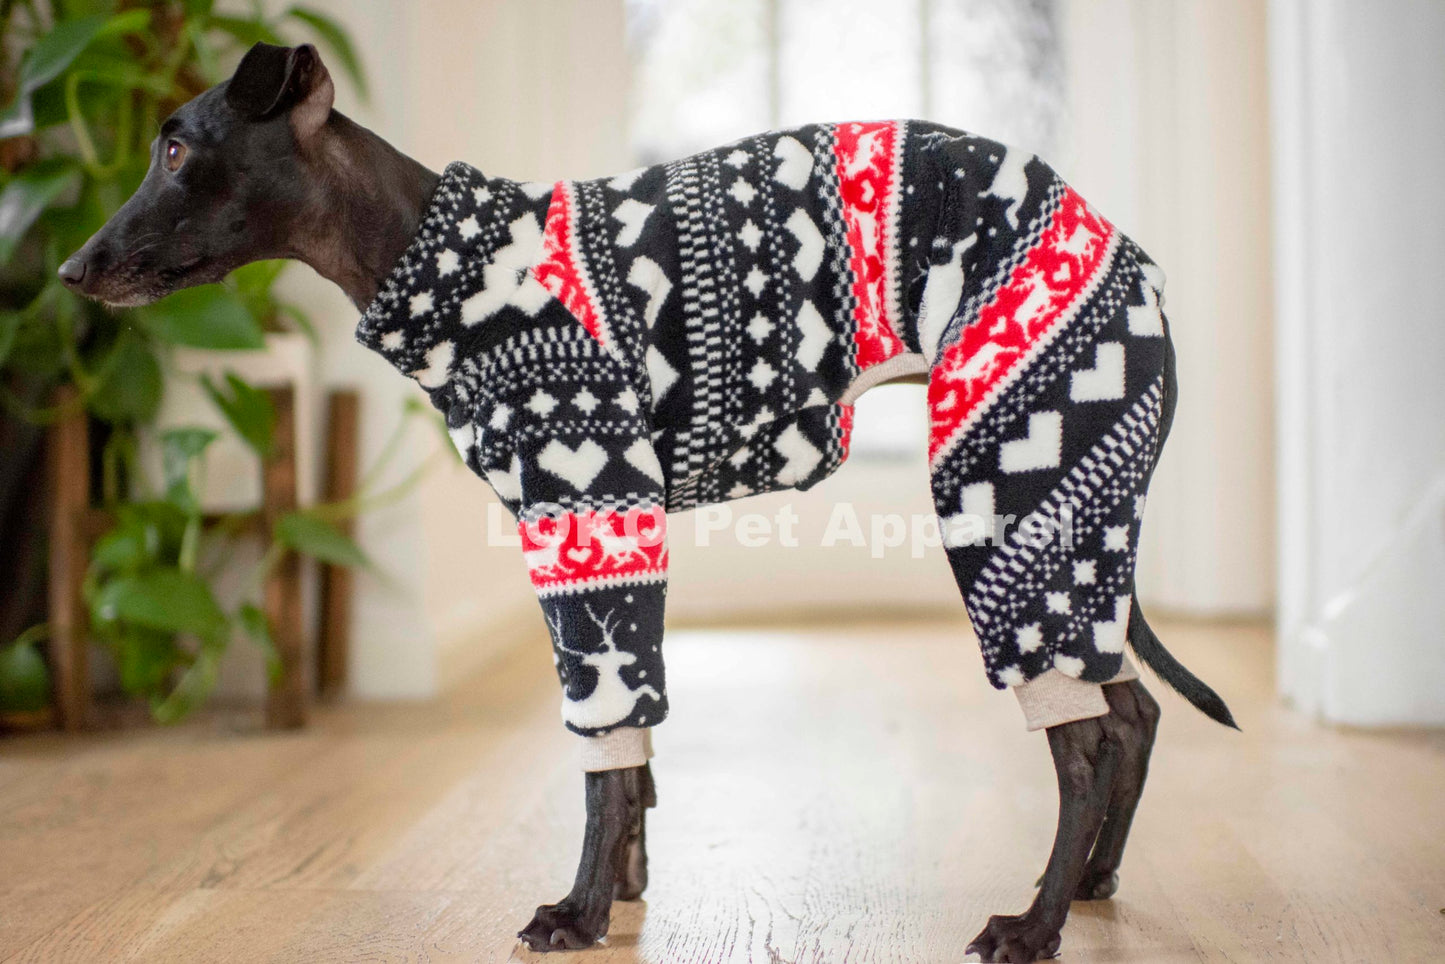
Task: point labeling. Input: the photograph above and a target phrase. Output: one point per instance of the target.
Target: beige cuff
(626, 746)
(1051, 698)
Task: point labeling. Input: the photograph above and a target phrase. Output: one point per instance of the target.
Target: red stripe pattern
(561, 270)
(578, 551)
(1040, 296)
(869, 168)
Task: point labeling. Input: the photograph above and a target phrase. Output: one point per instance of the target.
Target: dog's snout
(72, 272)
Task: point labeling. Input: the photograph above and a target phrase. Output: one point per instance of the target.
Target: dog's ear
(273, 79)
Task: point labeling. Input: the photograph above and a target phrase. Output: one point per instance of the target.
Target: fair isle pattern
(582, 551)
(835, 227)
(869, 167)
(1098, 491)
(563, 272)
(1041, 296)
(1000, 419)
(608, 351)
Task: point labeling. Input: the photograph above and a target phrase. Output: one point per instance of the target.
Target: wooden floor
(832, 794)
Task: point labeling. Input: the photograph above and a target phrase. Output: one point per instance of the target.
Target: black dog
(262, 167)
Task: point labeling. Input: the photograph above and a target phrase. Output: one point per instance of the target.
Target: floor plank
(850, 792)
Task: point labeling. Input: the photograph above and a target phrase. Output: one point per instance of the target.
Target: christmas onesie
(609, 351)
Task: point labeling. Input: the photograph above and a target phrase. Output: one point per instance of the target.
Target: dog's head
(225, 185)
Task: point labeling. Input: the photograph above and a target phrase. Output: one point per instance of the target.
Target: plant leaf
(126, 21)
(211, 316)
(145, 659)
(100, 66)
(255, 625)
(178, 447)
(133, 385)
(248, 409)
(125, 548)
(164, 599)
(37, 350)
(46, 60)
(9, 327)
(336, 38)
(318, 538)
(255, 279)
(196, 29)
(195, 685)
(163, 523)
(247, 30)
(24, 680)
(54, 52)
(303, 322)
(28, 194)
(253, 283)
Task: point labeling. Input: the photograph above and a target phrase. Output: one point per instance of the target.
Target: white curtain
(1167, 134)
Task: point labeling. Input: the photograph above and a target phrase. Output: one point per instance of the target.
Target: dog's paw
(1097, 885)
(1016, 940)
(562, 927)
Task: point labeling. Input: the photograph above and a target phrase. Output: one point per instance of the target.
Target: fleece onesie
(609, 351)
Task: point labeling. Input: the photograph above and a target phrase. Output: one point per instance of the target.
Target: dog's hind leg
(613, 862)
(1131, 703)
(1087, 758)
(632, 868)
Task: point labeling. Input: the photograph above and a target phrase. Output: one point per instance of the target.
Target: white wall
(1359, 142)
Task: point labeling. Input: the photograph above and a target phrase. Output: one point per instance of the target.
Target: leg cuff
(1052, 699)
(626, 746)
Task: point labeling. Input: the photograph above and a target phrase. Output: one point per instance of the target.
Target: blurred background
(1277, 159)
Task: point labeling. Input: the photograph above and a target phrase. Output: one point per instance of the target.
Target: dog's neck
(365, 210)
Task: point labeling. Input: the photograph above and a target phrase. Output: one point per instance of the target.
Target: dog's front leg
(613, 864)
(1088, 756)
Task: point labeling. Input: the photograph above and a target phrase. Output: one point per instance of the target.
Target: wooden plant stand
(75, 524)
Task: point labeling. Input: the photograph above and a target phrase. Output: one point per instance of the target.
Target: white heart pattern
(1040, 449)
(577, 467)
(795, 163)
(1105, 381)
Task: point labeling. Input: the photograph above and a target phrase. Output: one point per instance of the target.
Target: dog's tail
(1152, 652)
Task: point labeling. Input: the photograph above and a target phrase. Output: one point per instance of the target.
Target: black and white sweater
(608, 351)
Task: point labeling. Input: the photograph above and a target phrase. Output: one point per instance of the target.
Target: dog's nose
(72, 272)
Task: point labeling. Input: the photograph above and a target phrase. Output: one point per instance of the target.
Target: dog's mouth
(130, 285)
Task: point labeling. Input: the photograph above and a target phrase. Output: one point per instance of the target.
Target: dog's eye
(175, 155)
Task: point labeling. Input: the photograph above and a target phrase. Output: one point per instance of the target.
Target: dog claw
(559, 928)
(1015, 940)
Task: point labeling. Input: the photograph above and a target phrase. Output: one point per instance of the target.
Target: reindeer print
(610, 698)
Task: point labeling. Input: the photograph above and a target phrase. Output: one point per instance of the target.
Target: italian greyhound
(262, 166)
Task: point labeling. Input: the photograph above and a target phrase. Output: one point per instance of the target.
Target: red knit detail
(1041, 295)
(561, 270)
(869, 171)
(576, 551)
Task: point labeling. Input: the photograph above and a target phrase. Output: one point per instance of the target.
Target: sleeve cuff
(1052, 699)
(626, 746)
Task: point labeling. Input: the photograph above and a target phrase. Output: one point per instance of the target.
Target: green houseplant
(84, 83)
